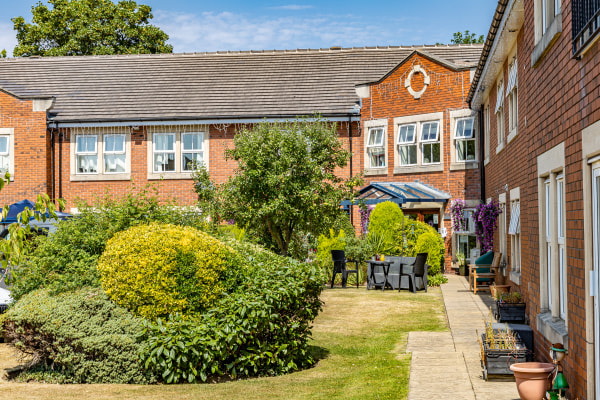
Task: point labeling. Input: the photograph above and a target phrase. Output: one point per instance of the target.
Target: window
(500, 114)
(514, 230)
(511, 94)
(114, 154)
(586, 23)
(562, 268)
(192, 153)
(4, 154)
(548, 225)
(465, 141)
(164, 152)
(87, 154)
(486, 127)
(375, 148)
(502, 227)
(407, 149)
(430, 143)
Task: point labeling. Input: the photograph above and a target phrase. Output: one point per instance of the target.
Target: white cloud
(292, 7)
(210, 31)
(8, 37)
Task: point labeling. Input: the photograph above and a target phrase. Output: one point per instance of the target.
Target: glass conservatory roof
(398, 192)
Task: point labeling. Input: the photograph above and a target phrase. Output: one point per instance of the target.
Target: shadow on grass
(318, 353)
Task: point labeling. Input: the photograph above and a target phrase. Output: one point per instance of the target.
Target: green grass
(360, 339)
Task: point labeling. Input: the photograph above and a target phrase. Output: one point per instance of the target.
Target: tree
(285, 181)
(466, 38)
(89, 27)
(3, 53)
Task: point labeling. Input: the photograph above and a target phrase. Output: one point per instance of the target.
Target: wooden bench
(481, 277)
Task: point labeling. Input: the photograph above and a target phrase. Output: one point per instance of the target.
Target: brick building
(536, 90)
(81, 127)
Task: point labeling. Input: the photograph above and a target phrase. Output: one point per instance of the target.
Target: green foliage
(231, 231)
(466, 38)
(384, 218)
(157, 269)
(89, 27)
(324, 247)
(437, 279)
(207, 192)
(286, 180)
(82, 336)
(410, 231)
(260, 329)
(3, 53)
(66, 260)
(432, 244)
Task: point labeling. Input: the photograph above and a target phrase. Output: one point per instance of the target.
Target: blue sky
(195, 25)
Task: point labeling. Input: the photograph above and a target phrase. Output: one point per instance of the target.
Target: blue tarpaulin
(18, 207)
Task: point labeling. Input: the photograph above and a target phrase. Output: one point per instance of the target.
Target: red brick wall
(446, 92)
(557, 99)
(30, 149)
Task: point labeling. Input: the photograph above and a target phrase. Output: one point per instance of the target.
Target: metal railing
(585, 23)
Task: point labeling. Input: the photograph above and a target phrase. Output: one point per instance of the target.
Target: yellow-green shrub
(159, 269)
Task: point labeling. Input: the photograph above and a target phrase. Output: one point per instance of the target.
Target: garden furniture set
(483, 272)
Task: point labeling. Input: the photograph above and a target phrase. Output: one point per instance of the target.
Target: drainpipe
(60, 138)
(481, 156)
(350, 142)
(52, 164)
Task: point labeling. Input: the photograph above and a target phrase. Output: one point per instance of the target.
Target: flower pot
(532, 379)
(463, 270)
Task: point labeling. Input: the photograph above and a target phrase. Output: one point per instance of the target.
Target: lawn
(360, 338)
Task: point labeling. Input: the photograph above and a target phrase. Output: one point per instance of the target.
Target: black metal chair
(339, 267)
(416, 273)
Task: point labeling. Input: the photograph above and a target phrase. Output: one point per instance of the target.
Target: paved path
(446, 364)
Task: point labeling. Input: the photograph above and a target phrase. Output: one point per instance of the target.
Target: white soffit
(511, 24)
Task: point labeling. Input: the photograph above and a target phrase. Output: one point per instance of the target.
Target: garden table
(385, 266)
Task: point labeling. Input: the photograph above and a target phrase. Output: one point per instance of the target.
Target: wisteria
(485, 216)
(459, 223)
(365, 214)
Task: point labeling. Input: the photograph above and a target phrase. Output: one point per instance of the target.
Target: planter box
(510, 312)
(498, 361)
(497, 290)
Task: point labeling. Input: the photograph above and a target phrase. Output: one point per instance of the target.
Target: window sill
(375, 171)
(511, 135)
(515, 277)
(554, 331)
(546, 41)
(100, 177)
(461, 166)
(169, 175)
(415, 169)
(486, 161)
(500, 148)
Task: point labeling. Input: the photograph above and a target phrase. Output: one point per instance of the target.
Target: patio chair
(394, 271)
(416, 273)
(339, 267)
(483, 272)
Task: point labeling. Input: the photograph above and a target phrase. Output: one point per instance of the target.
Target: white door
(596, 218)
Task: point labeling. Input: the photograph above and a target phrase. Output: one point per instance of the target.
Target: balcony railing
(586, 23)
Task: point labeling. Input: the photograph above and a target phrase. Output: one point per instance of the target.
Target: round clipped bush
(159, 269)
(432, 244)
(384, 218)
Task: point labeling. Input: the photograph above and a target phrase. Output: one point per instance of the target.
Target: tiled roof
(241, 84)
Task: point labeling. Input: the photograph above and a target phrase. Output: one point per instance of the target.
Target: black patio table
(385, 266)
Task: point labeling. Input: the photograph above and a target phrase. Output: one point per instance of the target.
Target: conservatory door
(596, 227)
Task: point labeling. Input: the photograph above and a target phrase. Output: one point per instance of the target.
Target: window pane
(164, 162)
(377, 157)
(460, 128)
(3, 144)
(375, 137)
(86, 144)
(560, 208)
(435, 152)
(470, 150)
(114, 163)
(114, 143)
(408, 155)
(429, 131)
(191, 160)
(468, 128)
(192, 141)
(460, 150)
(87, 164)
(407, 134)
(4, 163)
(164, 142)
(427, 154)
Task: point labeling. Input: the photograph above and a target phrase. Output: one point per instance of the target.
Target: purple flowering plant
(365, 215)
(457, 210)
(486, 216)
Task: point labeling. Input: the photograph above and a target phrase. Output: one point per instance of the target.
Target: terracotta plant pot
(532, 379)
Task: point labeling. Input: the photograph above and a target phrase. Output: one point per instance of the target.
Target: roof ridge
(334, 49)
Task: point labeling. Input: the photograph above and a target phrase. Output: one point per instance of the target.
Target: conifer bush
(159, 269)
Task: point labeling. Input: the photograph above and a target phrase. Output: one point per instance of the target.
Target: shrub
(437, 279)
(384, 218)
(324, 247)
(433, 244)
(66, 260)
(261, 328)
(157, 269)
(82, 336)
(410, 230)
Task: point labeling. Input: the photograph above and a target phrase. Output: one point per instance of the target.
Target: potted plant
(510, 307)
(462, 264)
(499, 349)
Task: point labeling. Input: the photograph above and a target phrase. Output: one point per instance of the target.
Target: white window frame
(407, 144)
(87, 153)
(512, 97)
(548, 238)
(502, 230)
(101, 174)
(6, 154)
(500, 114)
(155, 152)
(458, 140)
(430, 142)
(184, 151)
(561, 241)
(381, 145)
(514, 231)
(114, 152)
(486, 128)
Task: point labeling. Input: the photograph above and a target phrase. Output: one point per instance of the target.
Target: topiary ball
(384, 218)
(159, 269)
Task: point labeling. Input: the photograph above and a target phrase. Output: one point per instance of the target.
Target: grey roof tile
(208, 85)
